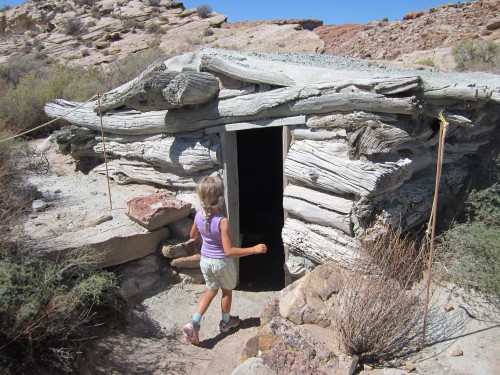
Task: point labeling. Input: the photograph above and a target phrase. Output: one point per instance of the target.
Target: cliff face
(99, 32)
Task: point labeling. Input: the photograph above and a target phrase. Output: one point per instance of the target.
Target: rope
(50, 122)
(104, 151)
(443, 128)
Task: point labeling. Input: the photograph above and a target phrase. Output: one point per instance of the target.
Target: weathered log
(232, 93)
(128, 171)
(188, 155)
(286, 102)
(348, 121)
(190, 88)
(319, 243)
(377, 139)
(320, 165)
(385, 85)
(318, 134)
(287, 121)
(411, 204)
(147, 95)
(457, 93)
(231, 69)
(117, 122)
(319, 208)
(116, 97)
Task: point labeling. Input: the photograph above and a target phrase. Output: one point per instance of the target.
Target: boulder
(253, 366)
(307, 300)
(157, 210)
(174, 249)
(297, 267)
(118, 243)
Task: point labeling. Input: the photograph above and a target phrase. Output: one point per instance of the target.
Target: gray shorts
(218, 273)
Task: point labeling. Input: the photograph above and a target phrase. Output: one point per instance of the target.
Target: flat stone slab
(157, 210)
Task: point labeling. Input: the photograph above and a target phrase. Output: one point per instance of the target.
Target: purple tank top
(212, 242)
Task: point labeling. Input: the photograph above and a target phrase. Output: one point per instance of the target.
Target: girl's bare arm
(195, 232)
(236, 252)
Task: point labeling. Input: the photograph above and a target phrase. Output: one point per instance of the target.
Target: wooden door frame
(229, 153)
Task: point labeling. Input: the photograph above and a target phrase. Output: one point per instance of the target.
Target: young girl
(217, 250)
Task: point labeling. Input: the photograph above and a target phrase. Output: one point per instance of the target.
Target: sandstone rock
(39, 205)
(174, 249)
(251, 349)
(448, 307)
(297, 267)
(118, 244)
(192, 261)
(139, 276)
(410, 367)
(253, 366)
(99, 220)
(289, 349)
(305, 301)
(456, 351)
(156, 210)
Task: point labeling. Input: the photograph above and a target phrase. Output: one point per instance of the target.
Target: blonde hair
(211, 193)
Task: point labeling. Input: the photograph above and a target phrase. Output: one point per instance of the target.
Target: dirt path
(153, 342)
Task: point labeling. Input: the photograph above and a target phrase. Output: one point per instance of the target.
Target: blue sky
(330, 11)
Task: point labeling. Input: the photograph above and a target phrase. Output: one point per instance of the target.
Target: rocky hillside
(99, 32)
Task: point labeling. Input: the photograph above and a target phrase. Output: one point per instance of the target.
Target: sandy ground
(152, 341)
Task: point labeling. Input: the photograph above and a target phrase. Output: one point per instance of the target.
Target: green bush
(477, 55)
(426, 62)
(470, 250)
(23, 104)
(49, 309)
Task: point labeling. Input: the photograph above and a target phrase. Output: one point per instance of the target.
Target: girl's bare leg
(227, 299)
(206, 300)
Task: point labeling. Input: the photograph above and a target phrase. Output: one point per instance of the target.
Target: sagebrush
(477, 55)
(49, 309)
(379, 312)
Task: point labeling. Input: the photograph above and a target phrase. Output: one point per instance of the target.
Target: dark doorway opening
(260, 180)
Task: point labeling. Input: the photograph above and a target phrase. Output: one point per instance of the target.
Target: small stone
(38, 205)
(410, 367)
(456, 351)
(367, 367)
(448, 307)
(57, 191)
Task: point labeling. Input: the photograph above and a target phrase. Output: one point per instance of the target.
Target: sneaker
(191, 330)
(234, 321)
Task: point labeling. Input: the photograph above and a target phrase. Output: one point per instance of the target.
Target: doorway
(261, 216)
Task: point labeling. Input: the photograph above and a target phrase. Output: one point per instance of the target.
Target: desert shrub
(23, 104)
(73, 26)
(49, 309)
(154, 2)
(131, 66)
(204, 11)
(426, 62)
(379, 310)
(470, 250)
(12, 71)
(96, 13)
(5, 8)
(477, 55)
(208, 32)
(153, 27)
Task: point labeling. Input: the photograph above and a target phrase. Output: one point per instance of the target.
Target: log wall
(362, 152)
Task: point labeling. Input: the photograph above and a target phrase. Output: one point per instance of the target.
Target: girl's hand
(259, 249)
